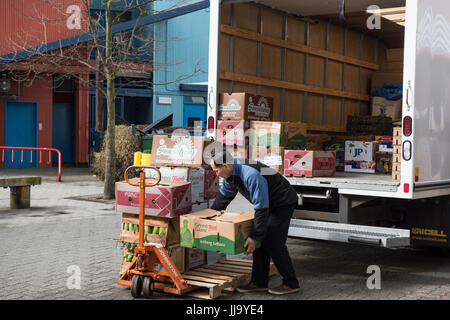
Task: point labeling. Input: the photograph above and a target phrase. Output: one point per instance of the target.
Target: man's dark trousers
(274, 246)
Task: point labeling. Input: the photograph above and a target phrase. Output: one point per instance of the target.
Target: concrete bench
(20, 190)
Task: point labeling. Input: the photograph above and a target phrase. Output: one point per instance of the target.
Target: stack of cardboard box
(246, 119)
(397, 154)
(163, 205)
(174, 166)
(180, 159)
(186, 185)
(269, 140)
(236, 110)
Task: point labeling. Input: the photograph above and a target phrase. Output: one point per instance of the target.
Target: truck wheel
(148, 287)
(136, 286)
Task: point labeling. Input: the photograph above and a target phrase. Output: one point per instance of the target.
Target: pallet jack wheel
(148, 287)
(136, 286)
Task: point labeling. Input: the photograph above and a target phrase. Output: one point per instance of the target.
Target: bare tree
(121, 50)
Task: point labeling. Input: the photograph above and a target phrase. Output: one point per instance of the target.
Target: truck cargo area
(319, 68)
(324, 64)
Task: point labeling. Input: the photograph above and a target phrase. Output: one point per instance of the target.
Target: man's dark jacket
(262, 186)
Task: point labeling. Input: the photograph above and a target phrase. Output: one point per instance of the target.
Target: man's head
(222, 163)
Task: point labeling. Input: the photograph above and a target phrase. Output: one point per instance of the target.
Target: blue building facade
(181, 65)
(179, 56)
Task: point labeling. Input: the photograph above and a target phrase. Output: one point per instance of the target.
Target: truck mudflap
(349, 233)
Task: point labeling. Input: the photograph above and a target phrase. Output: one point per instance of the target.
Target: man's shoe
(251, 288)
(283, 289)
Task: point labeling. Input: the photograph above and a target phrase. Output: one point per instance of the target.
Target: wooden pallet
(211, 281)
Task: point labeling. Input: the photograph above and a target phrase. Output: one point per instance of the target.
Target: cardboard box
(211, 184)
(396, 167)
(167, 199)
(368, 125)
(360, 156)
(272, 157)
(387, 108)
(385, 143)
(194, 258)
(212, 230)
(302, 163)
(397, 141)
(177, 151)
(397, 132)
(278, 134)
(196, 176)
(232, 132)
(315, 142)
(338, 145)
(170, 236)
(383, 162)
(238, 152)
(396, 175)
(245, 106)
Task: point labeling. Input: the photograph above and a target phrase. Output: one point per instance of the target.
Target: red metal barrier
(49, 150)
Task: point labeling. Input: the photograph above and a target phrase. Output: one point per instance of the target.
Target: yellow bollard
(145, 161)
(137, 158)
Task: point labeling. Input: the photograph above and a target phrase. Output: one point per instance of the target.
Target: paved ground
(42, 250)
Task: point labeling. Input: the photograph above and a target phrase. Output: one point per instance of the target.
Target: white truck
(351, 207)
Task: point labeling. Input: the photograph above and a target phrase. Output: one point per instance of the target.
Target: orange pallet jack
(152, 269)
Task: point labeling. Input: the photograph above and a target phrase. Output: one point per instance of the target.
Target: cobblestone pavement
(40, 246)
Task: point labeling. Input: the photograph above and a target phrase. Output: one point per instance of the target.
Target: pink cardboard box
(301, 163)
(232, 132)
(211, 184)
(167, 199)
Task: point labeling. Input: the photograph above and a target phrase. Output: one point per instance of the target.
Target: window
(62, 83)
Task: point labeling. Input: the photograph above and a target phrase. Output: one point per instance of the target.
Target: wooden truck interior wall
(317, 73)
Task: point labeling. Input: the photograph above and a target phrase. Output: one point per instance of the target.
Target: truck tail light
(211, 124)
(407, 126)
(406, 187)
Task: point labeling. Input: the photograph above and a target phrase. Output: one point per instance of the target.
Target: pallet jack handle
(142, 185)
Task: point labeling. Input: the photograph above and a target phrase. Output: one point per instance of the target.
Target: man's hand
(250, 244)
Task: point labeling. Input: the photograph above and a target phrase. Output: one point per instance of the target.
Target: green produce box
(165, 231)
(278, 134)
(216, 231)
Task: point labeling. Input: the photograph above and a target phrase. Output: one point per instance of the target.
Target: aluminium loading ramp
(349, 233)
(349, 180)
